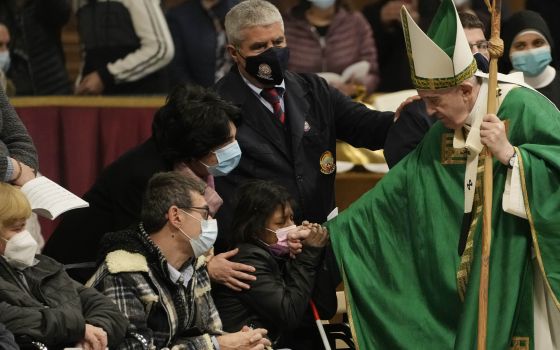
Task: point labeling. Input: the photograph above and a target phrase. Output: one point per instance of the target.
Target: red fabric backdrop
(77, 137)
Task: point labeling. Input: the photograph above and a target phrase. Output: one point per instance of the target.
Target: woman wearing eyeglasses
(194, 133)
(529, 48)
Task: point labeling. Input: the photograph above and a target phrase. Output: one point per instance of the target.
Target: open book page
(49, 199)
(356, 73)
(331, 78)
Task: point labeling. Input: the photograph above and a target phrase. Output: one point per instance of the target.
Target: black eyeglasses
(205, 211)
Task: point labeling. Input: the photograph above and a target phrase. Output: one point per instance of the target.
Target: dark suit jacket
(407, 133)
(316, 116)
(115, 202)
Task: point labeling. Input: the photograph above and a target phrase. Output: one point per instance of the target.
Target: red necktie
(271, 96)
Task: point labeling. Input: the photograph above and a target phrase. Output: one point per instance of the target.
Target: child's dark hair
(256, 201)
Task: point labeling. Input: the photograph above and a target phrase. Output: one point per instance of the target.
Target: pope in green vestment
(398, 246)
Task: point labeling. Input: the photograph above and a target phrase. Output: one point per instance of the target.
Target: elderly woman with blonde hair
(38, 300)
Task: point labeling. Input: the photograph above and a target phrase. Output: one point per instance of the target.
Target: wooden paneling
(351, 185)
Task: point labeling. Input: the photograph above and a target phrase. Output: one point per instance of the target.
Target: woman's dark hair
(256, 201)
(193, 121)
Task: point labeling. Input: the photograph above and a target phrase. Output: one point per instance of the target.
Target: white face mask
(208, 235)
(20, 250)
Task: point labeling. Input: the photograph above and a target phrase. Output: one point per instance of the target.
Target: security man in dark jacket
(292, 139)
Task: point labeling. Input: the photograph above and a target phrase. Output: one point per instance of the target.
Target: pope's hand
(493, 135)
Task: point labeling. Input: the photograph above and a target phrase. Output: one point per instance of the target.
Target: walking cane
(320, 326)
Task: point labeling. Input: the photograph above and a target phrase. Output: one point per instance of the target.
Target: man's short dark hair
(193, 122)
(256, 201)
(471, 21)
(164, 190)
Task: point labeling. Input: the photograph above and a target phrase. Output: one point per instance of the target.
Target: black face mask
(268, 67)
(482, 62)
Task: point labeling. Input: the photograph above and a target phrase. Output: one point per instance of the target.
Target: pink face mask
(281, 248)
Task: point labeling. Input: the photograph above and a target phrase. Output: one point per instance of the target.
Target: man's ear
(233, 53)
(466, 89)
(173, 216)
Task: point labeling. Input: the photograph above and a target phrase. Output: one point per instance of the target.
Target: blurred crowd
(228, 153)
(147, 47)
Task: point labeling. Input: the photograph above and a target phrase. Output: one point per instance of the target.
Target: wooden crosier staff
(496, 48)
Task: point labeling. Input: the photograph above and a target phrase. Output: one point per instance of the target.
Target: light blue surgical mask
(5, 60)
(323, 4)
(531, 62)
(228, 158)
(207, 237)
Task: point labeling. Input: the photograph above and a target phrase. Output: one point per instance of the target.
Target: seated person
(529, 48)
(156, 272)
(279, 298)
(194, 133)
(38, 301)
(326, 36)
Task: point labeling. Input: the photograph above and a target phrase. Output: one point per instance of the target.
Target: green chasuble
(398, 244)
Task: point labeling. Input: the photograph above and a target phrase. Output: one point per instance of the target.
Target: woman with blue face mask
(194, 134)
(529, 48)
(325, 36)
(263, 229)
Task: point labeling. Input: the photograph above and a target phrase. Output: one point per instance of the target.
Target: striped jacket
(127, 42)
(162, 314)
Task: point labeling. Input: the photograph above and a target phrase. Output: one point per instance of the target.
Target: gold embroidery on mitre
(442, 83)
(433, 83)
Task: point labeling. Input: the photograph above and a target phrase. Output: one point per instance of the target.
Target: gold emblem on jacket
(327, 163)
